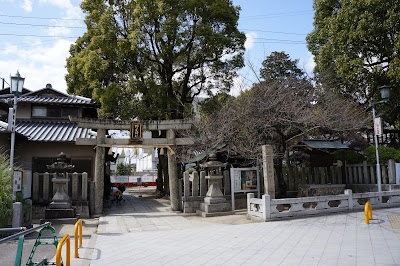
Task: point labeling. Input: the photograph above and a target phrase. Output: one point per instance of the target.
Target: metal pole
(13, 142)
(378, 167)
(24, 232)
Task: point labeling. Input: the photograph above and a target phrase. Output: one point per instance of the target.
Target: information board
(244, 180)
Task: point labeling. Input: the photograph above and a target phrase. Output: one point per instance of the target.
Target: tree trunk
(282, 187)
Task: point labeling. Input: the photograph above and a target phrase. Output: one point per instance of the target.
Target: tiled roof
(324, 144)
(58, 100)
(52, 131)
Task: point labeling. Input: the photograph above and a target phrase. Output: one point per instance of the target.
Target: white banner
(378, 126)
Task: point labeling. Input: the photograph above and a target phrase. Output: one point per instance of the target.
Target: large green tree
(356, 45)
(278, 65)
(150, 58)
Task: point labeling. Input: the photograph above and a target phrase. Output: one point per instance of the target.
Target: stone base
(61, 220)
(213, 214)
(209, 200)
(220, 207)
(59, 213)
(60, 205)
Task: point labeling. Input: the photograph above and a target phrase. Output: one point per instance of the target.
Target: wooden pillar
(268, 170)
(173, 174)
(99, 172)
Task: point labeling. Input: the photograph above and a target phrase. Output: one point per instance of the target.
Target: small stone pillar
(227, 183)
(35, 187)
(84, 186)
(46, 186)
(195, 184)
(18, 215)
(75, 179)
(214, 203)
(268, 170)
(203, 183)
(186, 185)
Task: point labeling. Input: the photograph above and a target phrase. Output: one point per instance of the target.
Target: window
(39, 111)
(69, 111)
(54, 111)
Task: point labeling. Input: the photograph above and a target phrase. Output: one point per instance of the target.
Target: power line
(33, 35)
(41, 25)
(279, 32)
(24, 17)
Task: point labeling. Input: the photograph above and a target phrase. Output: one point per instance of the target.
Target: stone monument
(60, 207)
(214, 203)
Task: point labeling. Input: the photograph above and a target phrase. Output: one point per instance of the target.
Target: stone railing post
(35, 187)
(195, 184)
(266, 199)
(75, 186)
(203, 183)
(84, 186)
(227, 183)
(249, 196)
(349, 193)
(46, 186)
(186, 185)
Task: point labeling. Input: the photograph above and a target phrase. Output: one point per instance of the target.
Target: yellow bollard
(78, 224)
(59, 248)
(367, 212)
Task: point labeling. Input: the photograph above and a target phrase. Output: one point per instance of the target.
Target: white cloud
(39, 65)
(310, 64)
(250, 37)
(26, 5)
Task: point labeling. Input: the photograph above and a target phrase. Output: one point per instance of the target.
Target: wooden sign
(136, 131)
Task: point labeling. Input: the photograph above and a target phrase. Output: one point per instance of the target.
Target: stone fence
(267, 208)
(42, 187)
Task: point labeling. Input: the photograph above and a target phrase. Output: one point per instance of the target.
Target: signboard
(378, 126)
(244, 180)
(136, 131)
(17, 181)
(139, 181)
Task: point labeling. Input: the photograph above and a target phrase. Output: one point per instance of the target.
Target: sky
(35, 36)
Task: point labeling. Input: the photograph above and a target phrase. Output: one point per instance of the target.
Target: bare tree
(280, 114)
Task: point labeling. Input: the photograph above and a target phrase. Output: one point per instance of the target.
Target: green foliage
(278, 65)
(214, 103)
(5, 190)
(356, 45)
(385, 153)
(150, 58)
(350, 156)
(123, 169)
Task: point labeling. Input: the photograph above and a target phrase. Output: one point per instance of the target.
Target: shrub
(350, 156)
(385, 154)
(5, 190)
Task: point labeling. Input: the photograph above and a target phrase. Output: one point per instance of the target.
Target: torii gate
(101, 142)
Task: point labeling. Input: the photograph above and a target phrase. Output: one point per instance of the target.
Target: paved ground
(143, 231)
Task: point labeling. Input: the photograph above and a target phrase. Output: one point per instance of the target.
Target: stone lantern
(60, 207)
(214, 203)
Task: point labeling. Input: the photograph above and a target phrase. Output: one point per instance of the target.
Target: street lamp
(17, 82)
(385, 93)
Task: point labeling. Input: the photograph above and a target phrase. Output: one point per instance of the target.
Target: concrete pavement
(142, 231)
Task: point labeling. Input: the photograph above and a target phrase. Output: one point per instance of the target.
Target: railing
(78, 224)
(59, 249)
(267, 208)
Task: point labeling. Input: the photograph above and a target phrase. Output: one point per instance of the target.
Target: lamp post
(17, 82)
(385, 96)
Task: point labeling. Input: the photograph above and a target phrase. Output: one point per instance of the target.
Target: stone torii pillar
(99, 172)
